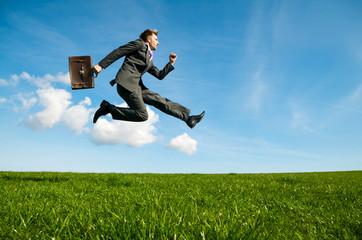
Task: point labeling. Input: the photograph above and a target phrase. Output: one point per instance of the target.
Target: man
(138, 60)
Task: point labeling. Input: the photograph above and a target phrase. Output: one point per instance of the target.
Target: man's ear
(148, 40)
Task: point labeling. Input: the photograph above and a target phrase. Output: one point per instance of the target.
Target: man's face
(152, 41)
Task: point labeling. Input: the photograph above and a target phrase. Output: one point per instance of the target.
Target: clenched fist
(173, 58)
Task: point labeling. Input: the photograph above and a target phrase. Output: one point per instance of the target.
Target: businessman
(138, 60)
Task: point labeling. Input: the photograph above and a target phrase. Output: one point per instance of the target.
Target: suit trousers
(137, 111)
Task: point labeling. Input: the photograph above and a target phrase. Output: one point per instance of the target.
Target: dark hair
(146, 33)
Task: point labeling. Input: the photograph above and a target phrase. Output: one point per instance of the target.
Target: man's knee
(142, 115)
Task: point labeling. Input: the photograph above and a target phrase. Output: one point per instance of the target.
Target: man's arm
(161, 74)
(168, 68)
(117, 54)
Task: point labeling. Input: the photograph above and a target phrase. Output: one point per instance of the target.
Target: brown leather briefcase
(81, 72)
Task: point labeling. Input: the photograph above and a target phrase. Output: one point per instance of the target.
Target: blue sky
(280, 81)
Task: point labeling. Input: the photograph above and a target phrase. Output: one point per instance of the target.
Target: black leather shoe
(193, 120)
(103, 110)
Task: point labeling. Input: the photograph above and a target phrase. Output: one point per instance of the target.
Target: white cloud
(3, 82)
(55, 102)
(23, 75)
(3, 100)
(27, 101)
(135, 134)
(76, 117)
(56, 110)
(14, 79)
(47, 80)
(184, 143)
(41, 82)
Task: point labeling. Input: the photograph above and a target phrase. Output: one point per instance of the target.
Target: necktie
(151, 55)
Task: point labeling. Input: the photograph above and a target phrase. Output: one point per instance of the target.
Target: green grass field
(180, 206)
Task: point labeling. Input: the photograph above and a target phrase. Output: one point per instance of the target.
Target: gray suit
(131, 88)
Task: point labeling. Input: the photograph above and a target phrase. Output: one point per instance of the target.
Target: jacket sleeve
(120, 52)
(160, 74)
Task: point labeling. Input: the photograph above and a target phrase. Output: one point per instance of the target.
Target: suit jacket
(135, 65)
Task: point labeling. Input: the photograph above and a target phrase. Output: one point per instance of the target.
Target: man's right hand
(97, 69)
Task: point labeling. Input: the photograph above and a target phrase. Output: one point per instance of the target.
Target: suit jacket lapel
(148, 62)
(147, 55)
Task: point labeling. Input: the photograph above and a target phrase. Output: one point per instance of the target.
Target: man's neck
(149, 47)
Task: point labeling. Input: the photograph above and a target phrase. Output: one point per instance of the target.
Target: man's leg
(165, 105)
(136, 112)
